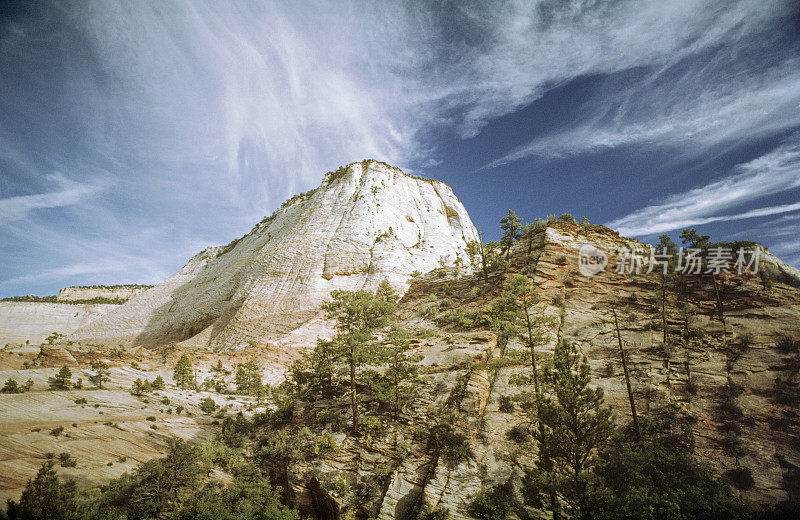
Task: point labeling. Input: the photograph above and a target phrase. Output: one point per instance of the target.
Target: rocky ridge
(111, 292)
(470, 376)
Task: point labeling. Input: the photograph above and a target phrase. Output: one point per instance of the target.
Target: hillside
(712, 360)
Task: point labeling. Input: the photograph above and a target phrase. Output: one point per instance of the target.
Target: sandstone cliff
(34, 321)
(365, 223)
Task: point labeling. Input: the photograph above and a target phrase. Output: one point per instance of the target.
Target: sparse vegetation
(207, 405)
(66, 460)
(450, 445)
(101, 371)
(183, 373)
(62, 379)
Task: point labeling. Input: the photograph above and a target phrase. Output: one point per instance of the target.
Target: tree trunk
(627, 379)
(396, 387)
(530, 345)
(484, 266)
(353, 397)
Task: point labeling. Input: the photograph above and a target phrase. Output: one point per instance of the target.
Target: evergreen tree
(45, 498)
(572, 424)
(158, 383)
(11, 387)
(316, 373)
(250, 497)
(385, 292)
(62, 380)
(667, 280)
(512, 228)
(657, 476)
(695, 239)
(396, 387)
(358, 315)
(485, 256)
(219, 369)
(157, 487)
(101, 371)
(512, 314)
(138, 388)
(183, 373)
(248, 378)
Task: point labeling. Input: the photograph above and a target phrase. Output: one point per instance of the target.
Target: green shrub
(451, 446)
(11, 387)
(506, 404)
(332, 417)
(66, 460)
(461, 319)
(290, 447)
(519, 433)
(207, 405)
(492, 504)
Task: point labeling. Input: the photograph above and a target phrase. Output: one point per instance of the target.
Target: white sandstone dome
(365, 223)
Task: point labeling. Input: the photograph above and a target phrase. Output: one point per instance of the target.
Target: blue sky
(134, 134)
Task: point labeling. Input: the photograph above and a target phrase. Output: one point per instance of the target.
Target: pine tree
(358, 315)
(695, 239)
(101, 371)
(63, 378)
(248, 378)
(485, 256)
(667, 280)
(572, 424)
(138, 387)
(512, 228)
(11, 387)
(45, 498)
(158, 383)
(183, 374)
(512, 315)
(316, 372)
(385, 292)
(396, 387)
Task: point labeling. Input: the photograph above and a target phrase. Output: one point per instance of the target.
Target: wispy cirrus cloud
(775, 172)
(68, 193)
(708, 102)
(207, 115)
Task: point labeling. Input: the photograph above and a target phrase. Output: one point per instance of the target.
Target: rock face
(114, 292)
(34, 321)
(471, 377)
(365, 223)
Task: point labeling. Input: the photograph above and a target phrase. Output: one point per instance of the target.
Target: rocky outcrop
(109, 292)
(367, 222)
(471, 378)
